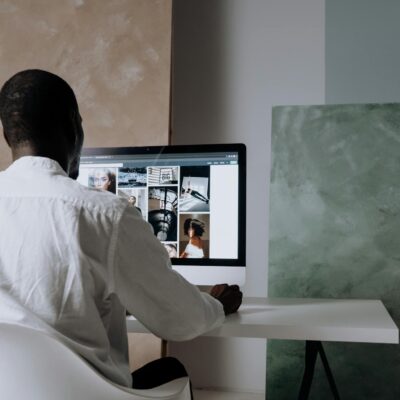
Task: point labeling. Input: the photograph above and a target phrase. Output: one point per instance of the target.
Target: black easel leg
(310, 359)
(328, 372)
(312, 350)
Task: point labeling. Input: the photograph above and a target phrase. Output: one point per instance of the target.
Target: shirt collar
(43, 163)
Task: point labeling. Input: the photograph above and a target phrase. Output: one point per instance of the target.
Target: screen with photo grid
(192, 196)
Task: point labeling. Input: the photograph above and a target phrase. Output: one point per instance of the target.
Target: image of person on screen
(103, 179)
(74, 260)
(136, 198)
(132, 201)
(194, 229)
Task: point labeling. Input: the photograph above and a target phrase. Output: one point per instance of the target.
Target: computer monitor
(194, 197)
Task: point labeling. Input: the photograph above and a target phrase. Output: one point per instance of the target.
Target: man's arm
(160, 298)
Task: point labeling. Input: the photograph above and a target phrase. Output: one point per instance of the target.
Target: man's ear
(70, 129)
(70, 135)
(76, 131)
(6, 139)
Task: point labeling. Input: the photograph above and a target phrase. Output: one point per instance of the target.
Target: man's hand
(229, 296)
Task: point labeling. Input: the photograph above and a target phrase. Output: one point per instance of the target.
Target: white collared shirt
(72, 259)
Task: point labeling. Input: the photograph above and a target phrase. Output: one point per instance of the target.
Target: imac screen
(193, 196)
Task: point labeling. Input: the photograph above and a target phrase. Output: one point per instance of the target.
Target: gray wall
(233, 60)
(362, 51)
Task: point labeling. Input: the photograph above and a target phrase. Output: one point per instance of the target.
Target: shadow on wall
(205, 27)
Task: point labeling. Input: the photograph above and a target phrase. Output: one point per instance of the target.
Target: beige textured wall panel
(114, 53)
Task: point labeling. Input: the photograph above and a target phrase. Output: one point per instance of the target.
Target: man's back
(70, 256)
(55, 272)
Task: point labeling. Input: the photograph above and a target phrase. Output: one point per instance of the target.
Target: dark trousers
(158, 372)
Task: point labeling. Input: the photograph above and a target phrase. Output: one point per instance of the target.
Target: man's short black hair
(34, 106)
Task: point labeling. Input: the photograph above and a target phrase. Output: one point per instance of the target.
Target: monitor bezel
(240, 148)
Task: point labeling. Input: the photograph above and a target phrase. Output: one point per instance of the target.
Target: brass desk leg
(164, 348)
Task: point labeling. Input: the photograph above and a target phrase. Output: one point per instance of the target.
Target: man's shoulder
(94, 199)
(56, 187)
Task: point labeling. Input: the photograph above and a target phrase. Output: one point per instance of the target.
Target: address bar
(95, 165)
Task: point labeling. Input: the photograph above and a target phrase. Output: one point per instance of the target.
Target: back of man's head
(36, 107)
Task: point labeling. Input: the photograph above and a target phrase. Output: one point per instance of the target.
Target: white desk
(312, 320)
(305, 319)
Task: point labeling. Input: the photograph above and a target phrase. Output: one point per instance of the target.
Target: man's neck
(24, 150)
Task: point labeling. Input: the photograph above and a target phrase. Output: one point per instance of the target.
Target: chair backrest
(35, 366)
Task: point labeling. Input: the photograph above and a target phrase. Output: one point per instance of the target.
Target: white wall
(233, 60)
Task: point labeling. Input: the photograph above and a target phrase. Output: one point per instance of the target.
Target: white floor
(214, 395)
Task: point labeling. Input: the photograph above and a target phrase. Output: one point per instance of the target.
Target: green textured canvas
(335, 233)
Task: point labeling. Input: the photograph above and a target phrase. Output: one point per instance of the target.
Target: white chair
(35, 366)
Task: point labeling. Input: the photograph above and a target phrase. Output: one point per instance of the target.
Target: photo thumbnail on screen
(163, 202)
(102, 178)
(171, 249)
(163, 175)
(136, 198)
(194, 233)
(195, 189)
(132, 177)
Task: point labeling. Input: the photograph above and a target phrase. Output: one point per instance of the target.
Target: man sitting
(74, 259)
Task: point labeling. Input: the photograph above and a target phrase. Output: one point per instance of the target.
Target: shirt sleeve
(160, 298)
